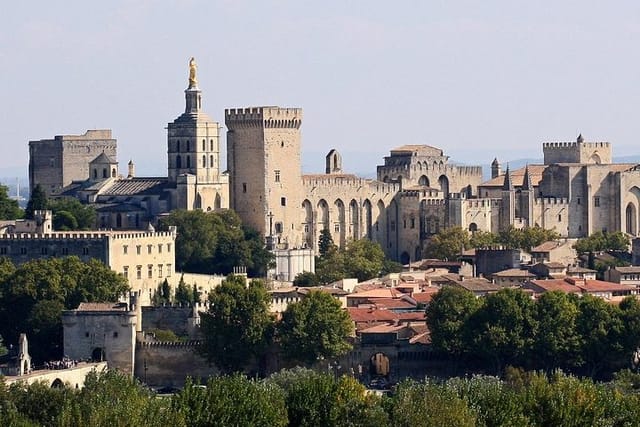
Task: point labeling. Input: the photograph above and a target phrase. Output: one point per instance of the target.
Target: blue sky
(478, 79)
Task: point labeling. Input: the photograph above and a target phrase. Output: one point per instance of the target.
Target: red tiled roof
(377, 293)
(361, 314)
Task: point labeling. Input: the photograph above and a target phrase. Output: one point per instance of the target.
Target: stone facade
(144, 258)
(56, 163)
(85, 167)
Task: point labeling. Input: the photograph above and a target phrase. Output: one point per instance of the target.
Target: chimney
(132, 170)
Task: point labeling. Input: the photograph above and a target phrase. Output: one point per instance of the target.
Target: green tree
(448, 243)
(215, 242)
(238, 326)
(503, 328)
(325, 242)
(602, 241)
(39, 290)
(447, 316)
(483, 239)
(557, 342)
(184, 293)
(319, 399)
(231, 401)
(70, 214)
(362, 259)
(315, 327)
(306, 278)
(601, 331)
(162, 294)
(37, 201)
(428, 404)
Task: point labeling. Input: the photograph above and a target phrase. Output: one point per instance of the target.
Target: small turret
(508, 184)
(526, 184)
(333, 162)
(495, 168)
(132, 169)
(580, 139)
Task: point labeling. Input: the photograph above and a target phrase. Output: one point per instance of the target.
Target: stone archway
(57, 383)
(379, 365)
(97, 355)
(405, 258)
(631, 219)
(443, 181)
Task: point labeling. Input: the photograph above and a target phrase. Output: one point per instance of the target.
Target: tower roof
(495, 162)
(580, 139)
(103, 158)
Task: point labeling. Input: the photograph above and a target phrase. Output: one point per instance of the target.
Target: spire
(508, 185)
(580, 139)
(527, 185)
(495, 168)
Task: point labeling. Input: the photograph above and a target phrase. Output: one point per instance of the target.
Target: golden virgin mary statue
(193, 81)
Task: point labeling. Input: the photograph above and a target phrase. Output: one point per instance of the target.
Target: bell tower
(193, 151)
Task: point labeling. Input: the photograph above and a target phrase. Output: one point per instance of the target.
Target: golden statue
(193, 81)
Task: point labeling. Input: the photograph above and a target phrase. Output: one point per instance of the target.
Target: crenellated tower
(265, 181)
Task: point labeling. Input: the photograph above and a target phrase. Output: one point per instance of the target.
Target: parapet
(90, 134)
(267, 117)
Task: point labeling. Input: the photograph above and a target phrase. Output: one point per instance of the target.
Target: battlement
(545, 201)
(482, 203)
(434, 202)
(557, 145)
(348, 181)
(170, 344)
(267, 117)
(90, 134)
(88, 235)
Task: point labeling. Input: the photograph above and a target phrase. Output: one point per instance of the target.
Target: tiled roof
(479, 285)
(580, 270)
(514, 272)
(392, 303)
(377, 293)
(548, 246)
(517, 177)
(103, 158)
(629, 270)
(554, 285)
(136, 186)
(102, 306)
(362, 314)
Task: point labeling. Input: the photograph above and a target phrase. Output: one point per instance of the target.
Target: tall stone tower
(193, 149)
(265, 181)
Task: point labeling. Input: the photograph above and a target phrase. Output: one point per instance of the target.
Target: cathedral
(85, 167)
(417, 192)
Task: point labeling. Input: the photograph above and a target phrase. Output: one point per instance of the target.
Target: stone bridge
(73, 377)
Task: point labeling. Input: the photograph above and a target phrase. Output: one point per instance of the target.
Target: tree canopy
(362, 259)
(216, 242)
(9, 208)
(33, 295)
(238, 326)
(601, 241)
(317, 327)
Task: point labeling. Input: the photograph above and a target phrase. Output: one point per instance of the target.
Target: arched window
(211, 161)
(204, 145)
(204, 161)
(113, 173)
(95, 173)
(188, 162)
(178, 145)
(178, 161)
(188, 145)
(104, 173)
(211, 145)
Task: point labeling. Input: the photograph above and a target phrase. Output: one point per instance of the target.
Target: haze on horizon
(478, 80)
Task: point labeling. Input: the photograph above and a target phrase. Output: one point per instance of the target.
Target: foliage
(483, 239)
(315, 328)
(429, 404)
(216, 242)
(39, 290)
(238, 326)
(315, 399)
(306, 278)
(526, 238)
(165, 335)
(162, 294)
(447, 314)
(502, 330)
(9, 208)
(231, 401)
(362, 259)
(448, 243)
(586, 334)
(602, 241)
(184, 293)
(70, 214)
(325, 242)
(37, 201)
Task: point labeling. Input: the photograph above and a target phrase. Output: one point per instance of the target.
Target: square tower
(55, 163)
(265, 174)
